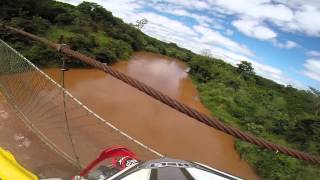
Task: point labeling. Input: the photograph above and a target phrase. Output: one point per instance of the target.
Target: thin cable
(65, 113)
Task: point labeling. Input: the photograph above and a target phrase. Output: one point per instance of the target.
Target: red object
(112, 152)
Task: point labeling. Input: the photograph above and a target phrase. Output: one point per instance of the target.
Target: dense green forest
(236, 95)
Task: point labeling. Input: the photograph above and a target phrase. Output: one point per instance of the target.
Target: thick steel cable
(212, 122)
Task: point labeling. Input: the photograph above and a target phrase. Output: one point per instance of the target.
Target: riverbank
(279, 114)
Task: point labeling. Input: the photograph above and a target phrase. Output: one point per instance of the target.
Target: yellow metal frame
(10, 169)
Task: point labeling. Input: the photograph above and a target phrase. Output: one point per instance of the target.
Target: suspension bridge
(64, 123)
(59, 119)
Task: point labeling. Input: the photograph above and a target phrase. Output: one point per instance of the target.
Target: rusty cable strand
(212, 122)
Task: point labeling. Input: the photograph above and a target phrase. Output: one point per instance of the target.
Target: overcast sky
(279, 37)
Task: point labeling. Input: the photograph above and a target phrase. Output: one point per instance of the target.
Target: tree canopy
(245, 69)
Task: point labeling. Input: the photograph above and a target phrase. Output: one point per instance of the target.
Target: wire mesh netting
(60, 120)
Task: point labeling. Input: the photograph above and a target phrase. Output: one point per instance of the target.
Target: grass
(101, 38)
(55, 32)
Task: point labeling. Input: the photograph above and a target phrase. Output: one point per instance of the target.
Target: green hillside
(236, 95)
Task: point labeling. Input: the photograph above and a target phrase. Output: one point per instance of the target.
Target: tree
(206, 52)
(82, 42)
(36, 25)
(105, 55)
(64, 19)
(316, 92)
(306, 131)
(245, 69)
(141, 23)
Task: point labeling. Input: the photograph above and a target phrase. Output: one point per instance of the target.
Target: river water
(153, 123)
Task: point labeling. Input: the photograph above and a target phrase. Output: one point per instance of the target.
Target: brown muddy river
(151, 122)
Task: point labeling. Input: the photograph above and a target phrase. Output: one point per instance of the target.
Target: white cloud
(253, 28)
(291, 44)
(256, 9)
(312, 69)
(180, 11)
(166, 24)
(295, 3)
(292, 16)
(288, 15)
(286, 45)
(313, 53)
(73, 2)
(209, 36)
(190, 4)
(125, 9)
(308, 21)
(256, 29)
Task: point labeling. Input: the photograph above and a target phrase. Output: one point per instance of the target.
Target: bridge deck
(28, 149)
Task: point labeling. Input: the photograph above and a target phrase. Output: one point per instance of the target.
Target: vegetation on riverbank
(281, 114)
